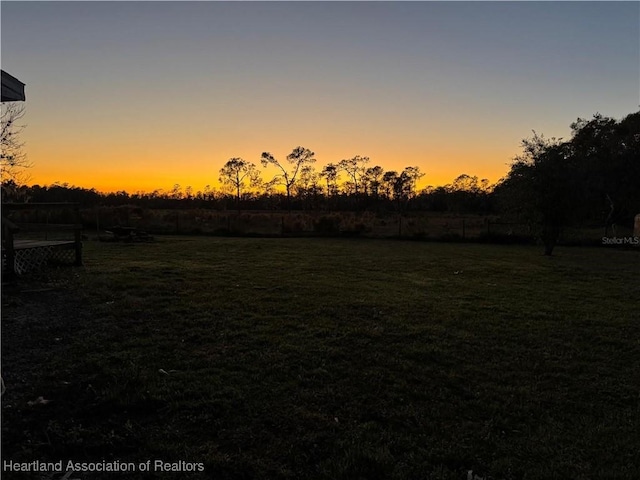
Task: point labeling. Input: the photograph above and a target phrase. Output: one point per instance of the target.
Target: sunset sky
(142, 95)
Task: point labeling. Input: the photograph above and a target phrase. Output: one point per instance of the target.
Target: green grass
(330, 359)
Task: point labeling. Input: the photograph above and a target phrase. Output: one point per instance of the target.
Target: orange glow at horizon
(146, 171)
(140, 96)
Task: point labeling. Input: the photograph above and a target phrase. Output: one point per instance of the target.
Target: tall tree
(595, 175)
(307, 188)
(389, 180)
(410, 177)
(542, 186)
(298, 158)
(404, 185)
(465, 183)
(331, 173)
(608, 152)
(355, 168)
(237, 174)
(373, 180)
(176, 192)
(308, 180)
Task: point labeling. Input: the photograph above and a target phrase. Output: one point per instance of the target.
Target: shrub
(327, 224)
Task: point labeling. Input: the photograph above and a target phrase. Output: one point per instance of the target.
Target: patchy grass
(329, 359)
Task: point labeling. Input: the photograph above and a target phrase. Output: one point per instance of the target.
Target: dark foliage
(592, 179)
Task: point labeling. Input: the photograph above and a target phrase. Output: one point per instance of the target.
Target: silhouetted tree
(298, 158)
(331, 174)
(237, 173)
(355, 168)
(409, 178)
(373, 180)
(404, 185)
(176, 192)
(609, 156)
(595, 174)
(542, 185)
(13, 160)
(467, 194)
(307, 188)
(465, 183)
(308, 179)
(389, 180)
(435, 198)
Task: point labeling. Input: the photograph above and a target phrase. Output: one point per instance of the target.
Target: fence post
(78, 247)
(78, 237)
(399, 225)
(463, 229)
(11, 257)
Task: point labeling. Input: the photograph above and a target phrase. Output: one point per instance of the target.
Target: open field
(411, 225)
(328, 359)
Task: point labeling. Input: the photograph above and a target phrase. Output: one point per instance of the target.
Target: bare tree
(13, 159)
(236, 172)
(298, 158)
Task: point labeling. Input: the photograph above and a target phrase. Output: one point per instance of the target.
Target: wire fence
(419, 225)
(413, 225)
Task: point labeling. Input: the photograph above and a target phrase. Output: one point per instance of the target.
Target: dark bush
(327, 225)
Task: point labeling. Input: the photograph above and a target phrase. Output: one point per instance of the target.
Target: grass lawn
(328, 359)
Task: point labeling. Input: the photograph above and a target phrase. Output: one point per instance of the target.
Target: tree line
(464, 194)
(299, 179)
(592, 178)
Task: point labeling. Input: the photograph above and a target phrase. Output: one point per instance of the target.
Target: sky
(139, 96)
